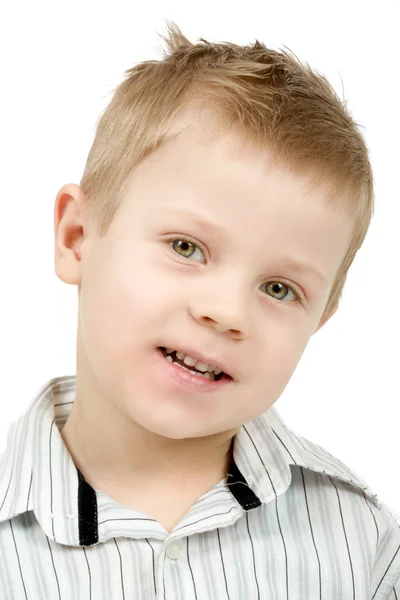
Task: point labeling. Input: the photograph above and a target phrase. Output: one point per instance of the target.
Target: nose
(225, 310)
(218, 325)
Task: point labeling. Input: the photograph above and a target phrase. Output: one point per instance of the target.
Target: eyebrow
(295, 264)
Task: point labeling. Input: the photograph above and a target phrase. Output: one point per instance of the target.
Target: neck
(115, 454)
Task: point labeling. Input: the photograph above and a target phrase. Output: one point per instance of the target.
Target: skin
(138, 292)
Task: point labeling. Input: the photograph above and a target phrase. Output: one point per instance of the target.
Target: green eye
(274, 284)
(184, 246)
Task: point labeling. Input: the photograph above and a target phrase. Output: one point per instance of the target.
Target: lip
(182, 380)
(201, 358)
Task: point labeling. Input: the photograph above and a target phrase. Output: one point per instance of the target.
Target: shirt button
(175, 549)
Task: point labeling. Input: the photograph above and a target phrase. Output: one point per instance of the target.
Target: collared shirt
(290, 522)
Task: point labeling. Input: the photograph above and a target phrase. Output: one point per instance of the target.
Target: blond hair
(278, 102)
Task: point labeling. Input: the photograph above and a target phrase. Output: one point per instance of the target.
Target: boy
(224, 199)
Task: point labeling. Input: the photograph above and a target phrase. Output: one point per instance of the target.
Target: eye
(185, 248)
(273, 285)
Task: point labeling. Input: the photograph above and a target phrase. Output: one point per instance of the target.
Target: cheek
(124, 304)
(282, 348)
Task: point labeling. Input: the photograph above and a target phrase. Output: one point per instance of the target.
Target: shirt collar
(37, 472)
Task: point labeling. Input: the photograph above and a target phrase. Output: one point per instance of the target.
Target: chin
(170, 426)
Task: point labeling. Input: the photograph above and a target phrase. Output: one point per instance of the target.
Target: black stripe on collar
(240, 489)
(87, 513)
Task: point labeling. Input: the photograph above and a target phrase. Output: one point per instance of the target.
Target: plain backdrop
(60, 62)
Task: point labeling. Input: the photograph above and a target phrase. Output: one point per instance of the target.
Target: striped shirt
(290, 522)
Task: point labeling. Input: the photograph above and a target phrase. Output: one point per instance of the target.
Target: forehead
(207, 126)
(203, 162)
(205, 143)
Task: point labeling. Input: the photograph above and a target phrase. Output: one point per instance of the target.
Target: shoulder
(386, 570)
(362, 515)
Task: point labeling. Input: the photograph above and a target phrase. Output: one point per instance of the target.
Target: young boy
(224, 199)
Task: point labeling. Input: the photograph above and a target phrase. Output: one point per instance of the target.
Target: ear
(70, 231)
(327, 316)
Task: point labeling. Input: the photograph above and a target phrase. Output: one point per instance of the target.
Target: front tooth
(203, 367)
(192, 362)
(188, 360)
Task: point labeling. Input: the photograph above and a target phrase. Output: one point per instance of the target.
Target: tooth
(188, 360)
(192, 362)
(206, 375)
(203, 367)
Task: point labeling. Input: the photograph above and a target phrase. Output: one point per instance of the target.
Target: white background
(60, 62)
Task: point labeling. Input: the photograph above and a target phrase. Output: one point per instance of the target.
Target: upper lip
(201, 357)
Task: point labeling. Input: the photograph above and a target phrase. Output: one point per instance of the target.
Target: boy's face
(139, 291)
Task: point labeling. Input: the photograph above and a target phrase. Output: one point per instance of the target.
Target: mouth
(211, 372)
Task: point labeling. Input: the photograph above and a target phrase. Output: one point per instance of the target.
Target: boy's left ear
(327, 316)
